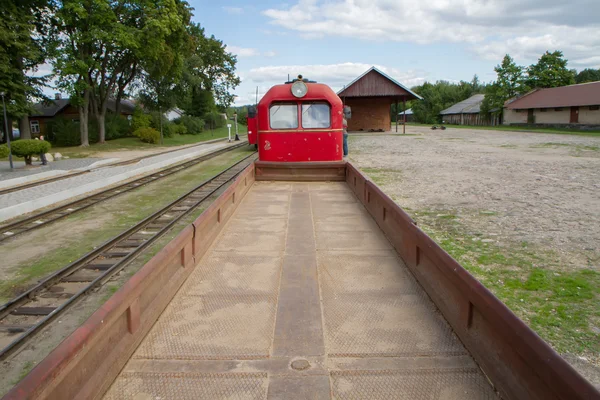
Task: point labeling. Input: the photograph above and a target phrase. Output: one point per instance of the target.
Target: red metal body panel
(300, 145)
(252, 130)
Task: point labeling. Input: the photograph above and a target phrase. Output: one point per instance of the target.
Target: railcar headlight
(299, 89)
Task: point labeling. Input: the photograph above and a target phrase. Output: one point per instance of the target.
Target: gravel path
(20, 170)
(102, 174)
(538, 188)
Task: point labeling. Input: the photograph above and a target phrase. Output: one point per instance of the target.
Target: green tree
(208, 75)
(23, 37)
(588, 75)
(104, 44)
(509, 83)
(439, 96)
(550, 71)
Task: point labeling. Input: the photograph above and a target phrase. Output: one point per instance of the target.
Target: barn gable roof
(583, 94)
(381, 85)
(472, 105)
(51, 108)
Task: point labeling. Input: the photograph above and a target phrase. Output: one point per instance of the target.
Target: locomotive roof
(316, 91)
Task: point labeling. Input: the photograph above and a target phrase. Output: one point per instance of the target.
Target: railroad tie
(33, 310)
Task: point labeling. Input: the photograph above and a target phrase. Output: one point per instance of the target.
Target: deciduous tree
(23, 37)
(550, 71)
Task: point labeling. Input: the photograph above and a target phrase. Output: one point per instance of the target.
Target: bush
(214, 120)
(116, 127)
(178, 129)
(166, 124)
(193, 125)
(64, 132)
(140, 119)
(148, 135)
(3, 151)
(29, 147)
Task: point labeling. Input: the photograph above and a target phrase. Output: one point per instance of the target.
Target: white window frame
(36, 123)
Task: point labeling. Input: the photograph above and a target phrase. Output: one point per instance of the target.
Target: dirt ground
(510, 206)
(539, 188)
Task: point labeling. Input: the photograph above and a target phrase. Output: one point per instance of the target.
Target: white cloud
(334, 75)
(243, 51)
(249, 52)
(233, 10)
(526, 28)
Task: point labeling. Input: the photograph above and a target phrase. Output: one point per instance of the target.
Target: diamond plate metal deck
(301, 272)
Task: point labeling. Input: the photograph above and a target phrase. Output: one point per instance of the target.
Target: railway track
(70, 175)
(29, 312)
(39, 220)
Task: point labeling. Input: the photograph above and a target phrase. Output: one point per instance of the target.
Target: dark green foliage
(148, 135)
(64, 132)
(140, 119)
(193, 125)
(588, 75)
(550, 71)
(214, 120)
(116, 127)
(166, 124)
(22, 47)
(201, 102)
(177, 129)
(439, 96)
(29, 147)
(3, 151)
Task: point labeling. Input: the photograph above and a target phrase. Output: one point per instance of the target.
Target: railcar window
(316, 115)
(283, 116)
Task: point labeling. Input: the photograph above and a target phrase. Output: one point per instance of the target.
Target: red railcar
(252, 126)
(300, 121)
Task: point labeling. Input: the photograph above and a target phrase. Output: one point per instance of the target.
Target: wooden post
(396, 114)
(404, 125)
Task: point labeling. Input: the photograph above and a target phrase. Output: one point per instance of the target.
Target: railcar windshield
(283, 116)
(316, 115)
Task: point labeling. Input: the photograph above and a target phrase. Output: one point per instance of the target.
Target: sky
(334, 41)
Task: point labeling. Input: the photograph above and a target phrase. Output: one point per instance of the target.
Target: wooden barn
(468, 112)
(371, 96)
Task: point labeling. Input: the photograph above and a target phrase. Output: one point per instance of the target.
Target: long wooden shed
(370, 96)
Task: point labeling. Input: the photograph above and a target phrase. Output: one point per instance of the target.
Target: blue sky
(334, 41)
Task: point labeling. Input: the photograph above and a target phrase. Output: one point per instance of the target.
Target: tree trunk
(84, 112)
(101, 118)
(118, 102)
(24, 127)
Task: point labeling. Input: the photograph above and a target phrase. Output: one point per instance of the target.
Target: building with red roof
(572, 106)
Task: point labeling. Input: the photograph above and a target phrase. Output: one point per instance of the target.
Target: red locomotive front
(300, 121)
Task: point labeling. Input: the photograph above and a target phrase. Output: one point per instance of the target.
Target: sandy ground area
(542, 189)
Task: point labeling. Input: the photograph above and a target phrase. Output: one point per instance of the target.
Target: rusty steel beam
(300, 171)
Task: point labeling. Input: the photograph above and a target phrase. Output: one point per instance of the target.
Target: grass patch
(488, 213)
(563, 307)
(27, 367)
(381, 176)
(508, 146)
(132, 207)
(576, 150)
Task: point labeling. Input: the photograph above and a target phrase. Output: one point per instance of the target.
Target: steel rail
(85, 171)
(195, 196)
(36, 221)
